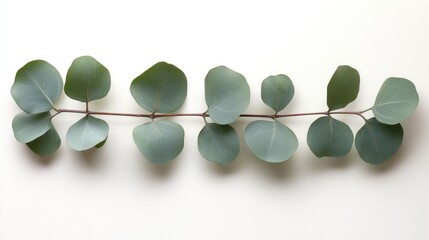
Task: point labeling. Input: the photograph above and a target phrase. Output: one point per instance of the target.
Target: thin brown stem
(256, 115)
(301, 114)
(359, 113)
(205, 114)
(101, 113)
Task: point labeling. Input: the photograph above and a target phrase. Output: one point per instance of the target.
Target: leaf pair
(87, 80)
(37, 132)
(272, 141)
(327, 136)
(227, 95)
(36, 88)
(160, 89)
(379, 139)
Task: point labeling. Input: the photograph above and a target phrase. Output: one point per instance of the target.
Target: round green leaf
(87, 133)
(227, 94)
(343, 87)
(396, 101)
(37, 86)
(270, 141)
(159, 141)
(277, 91)
(328, 137)
(28, 127)
(218, 143)
(377, 142)
(87, 80)
(162, 88)
(46, 144)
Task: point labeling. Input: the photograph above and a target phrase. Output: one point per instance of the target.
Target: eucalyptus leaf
(28, 127)
(37, 86)
(277, 91)
(329, 137)
(396, 101)
(162, 88)
(343, 87)
(218, 143)
(87, 80)
(377, 142)
(227, 94)
(159, 141)
(270, 141)
(87, 133)
(46, 144)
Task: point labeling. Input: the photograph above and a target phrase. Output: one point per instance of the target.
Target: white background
(114, 193)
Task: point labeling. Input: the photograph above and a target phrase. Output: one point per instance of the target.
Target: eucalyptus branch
(161, 90)
(204, 114)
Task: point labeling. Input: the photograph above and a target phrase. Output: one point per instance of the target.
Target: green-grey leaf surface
(87, 133)
(277, 91)
(87, 80)
(162, 88)
(343, 87)
(396, 101)
(377, 142)
(329, 137)
(218, 143)
(159, 141)
(27, 127)
(37, 86)
(271, 141)
(227, 94)
(46, 144)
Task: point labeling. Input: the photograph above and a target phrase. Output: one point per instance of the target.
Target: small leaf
(328, 137)
(87, 80)
(162, 88)
(87, 133)
(218, 143)
(37, 86)
(343, 87)
(377, 142)
(396, 101)
(159, 141)
(270, 141)
(277, 92)
(227, 94)
(28, 127)
(46, 144)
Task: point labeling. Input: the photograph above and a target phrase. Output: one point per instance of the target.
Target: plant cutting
(161, 90)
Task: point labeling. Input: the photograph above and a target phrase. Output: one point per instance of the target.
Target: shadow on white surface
(160, 171)
(328, 163)
(39, 160)
(90, 158)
